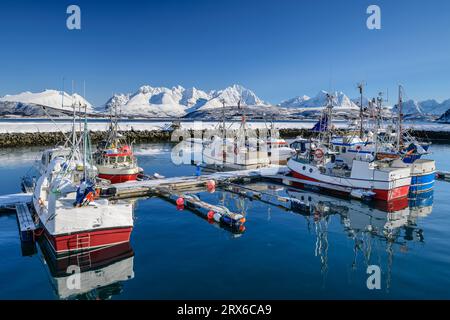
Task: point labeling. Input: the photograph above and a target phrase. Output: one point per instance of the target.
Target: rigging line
(51, 119)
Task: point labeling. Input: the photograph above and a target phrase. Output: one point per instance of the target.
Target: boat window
(112, 160)
(120, 159)
(304, 168)
(311, 170)
(344, 149)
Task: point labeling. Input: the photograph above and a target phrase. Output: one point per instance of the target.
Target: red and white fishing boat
(68, 210)
(114, 159)
(317, 166)
(117, 163)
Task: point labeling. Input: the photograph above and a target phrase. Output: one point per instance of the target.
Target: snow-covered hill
(47, 98)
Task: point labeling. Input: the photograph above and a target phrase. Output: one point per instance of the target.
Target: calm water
(282, 254)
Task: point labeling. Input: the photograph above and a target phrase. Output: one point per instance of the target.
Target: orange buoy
(210, 184)
(210, 215)
(180, 201)
(242, 220)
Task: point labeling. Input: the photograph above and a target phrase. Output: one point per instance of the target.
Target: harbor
(224, 159)
(289, 243)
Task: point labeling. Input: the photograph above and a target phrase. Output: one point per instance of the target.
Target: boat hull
(380, 194)
(88, 239)
(119, 178)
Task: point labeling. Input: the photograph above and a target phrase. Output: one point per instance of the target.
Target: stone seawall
(8, 140)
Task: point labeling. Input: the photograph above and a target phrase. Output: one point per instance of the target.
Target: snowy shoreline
(66, 126)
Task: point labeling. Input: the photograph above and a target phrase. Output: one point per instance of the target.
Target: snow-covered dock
(144, 188)
(10, 201)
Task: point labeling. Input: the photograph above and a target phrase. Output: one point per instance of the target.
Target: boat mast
(361, 113)
(85, 142)
(73, 124)
(223, 118)
(400, 115)
(329, 114)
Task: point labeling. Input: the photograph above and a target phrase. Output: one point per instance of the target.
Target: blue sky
(279, 49)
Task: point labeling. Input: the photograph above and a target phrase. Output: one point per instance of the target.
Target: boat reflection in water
(393, 223)
(101, 271)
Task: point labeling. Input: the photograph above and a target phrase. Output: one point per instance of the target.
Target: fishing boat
(383, 143)
(68, 210)
(383, 180)
(390, 143)
(114, 158)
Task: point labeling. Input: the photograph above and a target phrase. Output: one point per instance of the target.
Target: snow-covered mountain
(48, 98)
(410, 108)
(178, 101)
(424, 108)
(319, 101)
(445, 118)
(232, 96)
(295, 102)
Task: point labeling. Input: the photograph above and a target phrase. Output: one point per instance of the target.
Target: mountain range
(177, 101)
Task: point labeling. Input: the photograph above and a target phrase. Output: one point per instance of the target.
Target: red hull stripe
(118, 178)
(385, 195)
(303, 177)
(89, 239)
(392, 194)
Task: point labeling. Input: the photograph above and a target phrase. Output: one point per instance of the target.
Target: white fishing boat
(68, 209)
(389, 143)
(384, 180)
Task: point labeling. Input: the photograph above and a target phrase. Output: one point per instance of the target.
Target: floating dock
(26, 222)
(148, 187)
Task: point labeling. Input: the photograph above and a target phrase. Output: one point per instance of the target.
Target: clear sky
(279, 49)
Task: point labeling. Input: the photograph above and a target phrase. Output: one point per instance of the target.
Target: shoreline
(27, 139)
